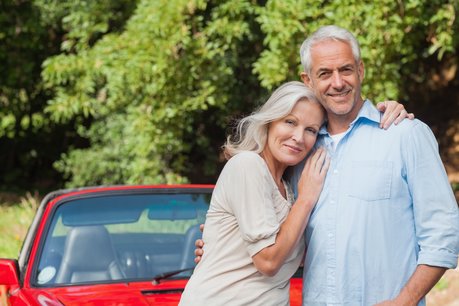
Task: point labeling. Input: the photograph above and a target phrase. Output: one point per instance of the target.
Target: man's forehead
(328, 65)
(331, 43)
(330, 54)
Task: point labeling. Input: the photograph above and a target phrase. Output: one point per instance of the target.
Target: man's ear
(306, 79)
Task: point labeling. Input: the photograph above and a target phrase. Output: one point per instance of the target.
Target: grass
(16, 214)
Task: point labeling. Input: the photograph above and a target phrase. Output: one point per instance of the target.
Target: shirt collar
(368, 111)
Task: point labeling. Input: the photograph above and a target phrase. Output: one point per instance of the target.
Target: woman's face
(292, 137)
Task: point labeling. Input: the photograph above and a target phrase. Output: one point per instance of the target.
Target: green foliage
(144, 87)
(394, 36)
(25, 131)
(15, 219)
(152, 85)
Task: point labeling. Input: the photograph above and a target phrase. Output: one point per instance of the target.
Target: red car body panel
(17, 288)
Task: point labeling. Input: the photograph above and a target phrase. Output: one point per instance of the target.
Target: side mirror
(9, 275)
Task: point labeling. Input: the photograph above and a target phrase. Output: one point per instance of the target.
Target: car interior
(129, 239)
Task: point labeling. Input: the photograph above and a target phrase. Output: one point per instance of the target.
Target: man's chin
(341, 109)
(341, 100)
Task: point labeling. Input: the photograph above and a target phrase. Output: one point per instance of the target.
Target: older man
(386, 226)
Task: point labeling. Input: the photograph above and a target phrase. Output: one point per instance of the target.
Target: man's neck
(340, 123)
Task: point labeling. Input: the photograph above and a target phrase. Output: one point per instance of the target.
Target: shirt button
(330, 235)
(335, 171)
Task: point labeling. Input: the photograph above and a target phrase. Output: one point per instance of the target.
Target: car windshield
(122, 238)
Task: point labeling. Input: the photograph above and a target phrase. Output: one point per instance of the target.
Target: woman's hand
(394, 112)
(313, 176)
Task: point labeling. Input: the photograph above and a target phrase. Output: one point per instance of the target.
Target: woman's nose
(297, 135)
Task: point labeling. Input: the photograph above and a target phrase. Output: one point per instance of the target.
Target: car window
(121, 238)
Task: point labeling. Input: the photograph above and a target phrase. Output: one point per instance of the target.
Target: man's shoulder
(369, 113)
(403, 132)
(408, 126)
(406, 132)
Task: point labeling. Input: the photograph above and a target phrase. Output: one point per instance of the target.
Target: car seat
(88, 256)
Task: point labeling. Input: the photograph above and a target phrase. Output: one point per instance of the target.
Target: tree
(154, 90)
(152, 84)
(29, 140)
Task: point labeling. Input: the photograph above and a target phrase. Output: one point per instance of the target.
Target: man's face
(336, 78)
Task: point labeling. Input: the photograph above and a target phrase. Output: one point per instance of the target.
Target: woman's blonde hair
(251, 131)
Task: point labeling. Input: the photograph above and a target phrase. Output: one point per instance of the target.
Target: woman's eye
(289, 121)
(311, 131)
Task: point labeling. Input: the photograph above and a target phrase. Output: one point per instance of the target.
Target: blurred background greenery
(16, 214)
(127, 92)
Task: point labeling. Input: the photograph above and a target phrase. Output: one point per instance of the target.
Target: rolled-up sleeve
(250, 191)
(434, 205)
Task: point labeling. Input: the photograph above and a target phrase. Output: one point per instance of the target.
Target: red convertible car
(119, 245)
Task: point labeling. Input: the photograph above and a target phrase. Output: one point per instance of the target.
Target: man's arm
(394, 112)
(420, 283)
(435, 214)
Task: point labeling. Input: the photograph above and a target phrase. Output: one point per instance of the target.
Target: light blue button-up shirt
(386, 207)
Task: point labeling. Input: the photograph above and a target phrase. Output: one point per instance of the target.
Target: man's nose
(337, 80)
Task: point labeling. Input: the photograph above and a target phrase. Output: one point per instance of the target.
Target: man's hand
(394, 112)
(198, 252)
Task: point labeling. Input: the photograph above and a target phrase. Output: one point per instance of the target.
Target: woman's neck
(275, 167)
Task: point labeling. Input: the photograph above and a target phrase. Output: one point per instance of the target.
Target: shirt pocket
(370, 180)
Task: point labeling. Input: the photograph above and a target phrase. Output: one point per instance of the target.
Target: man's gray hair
(330, 32)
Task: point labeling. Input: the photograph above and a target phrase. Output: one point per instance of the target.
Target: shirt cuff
(438, 259)
(255, 247)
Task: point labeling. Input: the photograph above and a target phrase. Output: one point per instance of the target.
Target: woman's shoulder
(246, 158)
(245, 162)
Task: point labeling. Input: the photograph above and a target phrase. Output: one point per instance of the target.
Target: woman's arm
(270, 259)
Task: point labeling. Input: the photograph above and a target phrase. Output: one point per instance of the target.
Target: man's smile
(340, 94)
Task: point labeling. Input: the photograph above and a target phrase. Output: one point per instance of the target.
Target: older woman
(253, 230)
